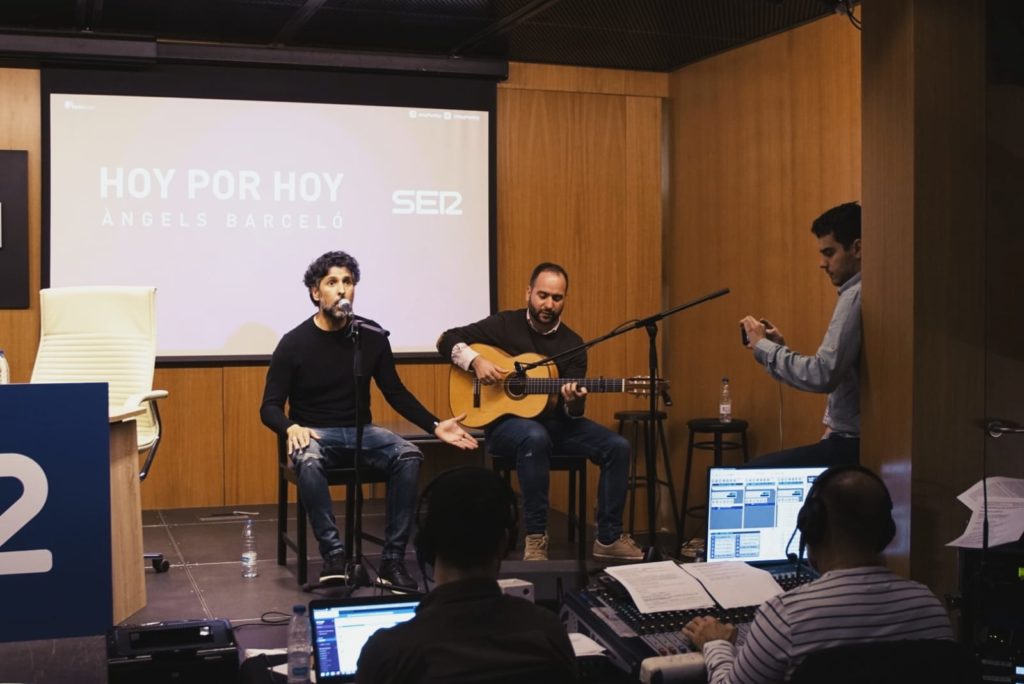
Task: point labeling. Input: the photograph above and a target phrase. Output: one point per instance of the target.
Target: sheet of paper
(1005, 524)
(656, 587)
(582, 645)
(1009, 487)
(735, 584)
(1005, 512)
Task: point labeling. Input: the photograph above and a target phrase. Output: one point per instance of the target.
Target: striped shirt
(841, 607)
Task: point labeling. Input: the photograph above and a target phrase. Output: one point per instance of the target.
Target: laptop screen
(752, 512)
(342, 626)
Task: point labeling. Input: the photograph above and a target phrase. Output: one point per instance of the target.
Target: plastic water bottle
(5, 370)
(298, 646)
(725, 403)
(249, 550)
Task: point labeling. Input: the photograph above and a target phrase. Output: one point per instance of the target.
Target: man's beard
(535, 315)
(334, 312)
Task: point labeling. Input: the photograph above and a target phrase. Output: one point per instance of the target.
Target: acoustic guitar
(526, 396)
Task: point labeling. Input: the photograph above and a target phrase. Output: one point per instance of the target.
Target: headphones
(812, 520)
(458, 487)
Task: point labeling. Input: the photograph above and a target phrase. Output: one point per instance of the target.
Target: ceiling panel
(651, 35)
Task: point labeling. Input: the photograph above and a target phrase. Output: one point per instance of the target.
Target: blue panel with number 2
(55, 560)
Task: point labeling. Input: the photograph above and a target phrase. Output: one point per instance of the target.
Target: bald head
(859, 511)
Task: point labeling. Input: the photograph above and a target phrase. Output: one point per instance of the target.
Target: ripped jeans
(382, 450)
(533, 441)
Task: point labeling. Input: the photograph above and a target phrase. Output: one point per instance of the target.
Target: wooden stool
(717, 444)
(641, 426)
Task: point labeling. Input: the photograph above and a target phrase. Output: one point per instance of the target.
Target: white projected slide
(222, 204)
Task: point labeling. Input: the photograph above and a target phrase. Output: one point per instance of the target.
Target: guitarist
(539, 329)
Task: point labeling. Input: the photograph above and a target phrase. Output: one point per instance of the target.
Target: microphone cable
(792, 557)
(781, 440)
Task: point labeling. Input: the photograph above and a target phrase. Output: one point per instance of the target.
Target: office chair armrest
(142, 397)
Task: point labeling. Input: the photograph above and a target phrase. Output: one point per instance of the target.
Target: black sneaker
(336, 569)
(393, 575)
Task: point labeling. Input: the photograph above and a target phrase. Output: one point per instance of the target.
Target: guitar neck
(554, 385)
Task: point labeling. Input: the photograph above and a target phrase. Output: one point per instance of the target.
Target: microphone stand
(650, 324)
(356, 571)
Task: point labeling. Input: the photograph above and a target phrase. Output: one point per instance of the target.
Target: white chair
(105, 334)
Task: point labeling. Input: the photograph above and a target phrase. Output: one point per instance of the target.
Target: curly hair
(322, 265)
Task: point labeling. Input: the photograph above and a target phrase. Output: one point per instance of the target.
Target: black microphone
(793, 558)
(346, 308)
(363, 325)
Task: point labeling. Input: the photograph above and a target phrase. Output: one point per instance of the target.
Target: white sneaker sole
(612, 556)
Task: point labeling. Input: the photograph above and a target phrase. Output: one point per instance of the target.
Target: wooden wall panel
(586, 80)
(1004, 373)
(887, 395)
(250, 449)
(20, 129)
(189, 467)
(764, 139)
(924, 160)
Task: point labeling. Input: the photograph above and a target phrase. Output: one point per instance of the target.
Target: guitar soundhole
(516, 387)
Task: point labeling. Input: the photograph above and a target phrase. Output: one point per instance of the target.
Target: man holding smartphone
(835, 367)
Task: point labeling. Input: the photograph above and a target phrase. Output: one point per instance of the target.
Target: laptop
(341, 626)
(752, 513)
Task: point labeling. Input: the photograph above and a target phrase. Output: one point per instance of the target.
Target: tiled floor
(205, 581)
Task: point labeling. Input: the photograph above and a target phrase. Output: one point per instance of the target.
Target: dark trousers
(832, 450)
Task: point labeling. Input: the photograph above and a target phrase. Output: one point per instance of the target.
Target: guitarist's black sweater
(511, 332)
(312, 370)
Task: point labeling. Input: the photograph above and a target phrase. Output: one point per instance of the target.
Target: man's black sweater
(312, 370)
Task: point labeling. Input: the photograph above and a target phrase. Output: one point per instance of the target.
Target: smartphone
(743, 331)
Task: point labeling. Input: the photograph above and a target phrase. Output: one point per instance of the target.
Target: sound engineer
(466, 630)
(845, 524)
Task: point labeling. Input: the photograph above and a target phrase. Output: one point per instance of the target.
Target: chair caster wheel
(161, 564)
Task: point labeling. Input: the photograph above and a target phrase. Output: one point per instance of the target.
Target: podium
(71, 535)
(128, 574)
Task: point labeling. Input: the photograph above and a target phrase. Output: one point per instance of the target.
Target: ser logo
(427, 202)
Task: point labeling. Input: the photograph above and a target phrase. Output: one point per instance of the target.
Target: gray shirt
(834, 368)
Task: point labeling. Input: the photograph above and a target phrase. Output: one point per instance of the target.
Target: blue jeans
(532, 441)
(382, 450)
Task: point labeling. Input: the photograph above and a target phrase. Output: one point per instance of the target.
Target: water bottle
(5, 370)
(298, 646)
(725, 403)
(249, 550)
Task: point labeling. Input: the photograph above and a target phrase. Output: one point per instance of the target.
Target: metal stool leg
(633, 478)
(572, 505)
(300, 534)
(282, 519)
(668, 478)
(581, 514)
(686, 483)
